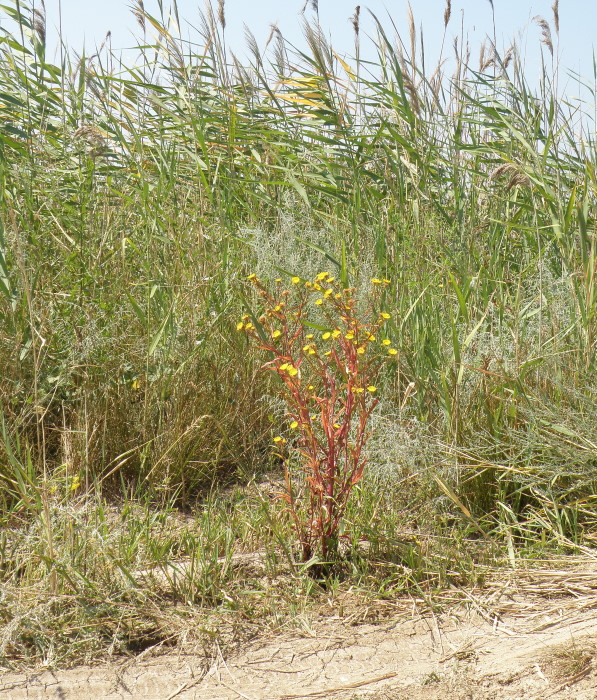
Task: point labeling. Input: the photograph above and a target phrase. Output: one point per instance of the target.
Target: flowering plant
(324, 351)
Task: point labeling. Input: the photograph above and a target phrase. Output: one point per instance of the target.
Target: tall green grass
(135, 194)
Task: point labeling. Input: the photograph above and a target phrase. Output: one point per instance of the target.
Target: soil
(531, 640)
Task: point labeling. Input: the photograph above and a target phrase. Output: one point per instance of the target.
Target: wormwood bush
(323, 349)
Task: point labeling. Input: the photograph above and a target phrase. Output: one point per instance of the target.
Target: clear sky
(86, 22)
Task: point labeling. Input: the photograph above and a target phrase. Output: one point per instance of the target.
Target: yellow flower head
(349, 335)
(276, 334)
(278, 280)
(386, 342)
(309, 336)
(357, 390)
(327, 335)
(321, 276)
(252, 276)
(361, 351)
(372, 389)
(294, 424)
(279, 440)
(376, 281)
(336, 333)
(392, 351)
(292, 371)
(296, 280)
(239, 326)
(385, 315)
(318, 302)
(328, 292)
(249, 327)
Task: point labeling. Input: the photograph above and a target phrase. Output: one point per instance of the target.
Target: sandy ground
(526, 636)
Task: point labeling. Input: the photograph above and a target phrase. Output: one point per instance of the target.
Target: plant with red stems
(324, 351)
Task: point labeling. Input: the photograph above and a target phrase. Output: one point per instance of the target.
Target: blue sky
(86, 22)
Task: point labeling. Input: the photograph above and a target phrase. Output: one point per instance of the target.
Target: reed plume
(39, 23)
(447, 13)
(221, 13)
(545, 32)
(139, 12)
(556, 15)
(355, 20)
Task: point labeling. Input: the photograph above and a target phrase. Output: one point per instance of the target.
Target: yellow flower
(386, 281)
(278, 281)
(386, 342)
(361, 351)
(245, 317)
(321, 276)
(330, 280)
(312, 351)
(371, 337)
(308, 284)
(372, 389)
(317, 287)
(252, 276)
(327, 335)
(309, 336)
(336, 425)
(328, 353)
(296, 280)
(328, 292)
(376, 281)
(357, 390)
(318, 302)
(385, 315)
(306, 348)
(284, 367)
(310, 387)
(338, 296)
(336, 333)
(292, 371)
(279, 440)
(76, 483)
(349, 335)
(392, 351)
(249, 327)
(276, 334)
(294, 424)
(239, 326)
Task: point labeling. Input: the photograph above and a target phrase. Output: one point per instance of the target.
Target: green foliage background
(135, 196)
